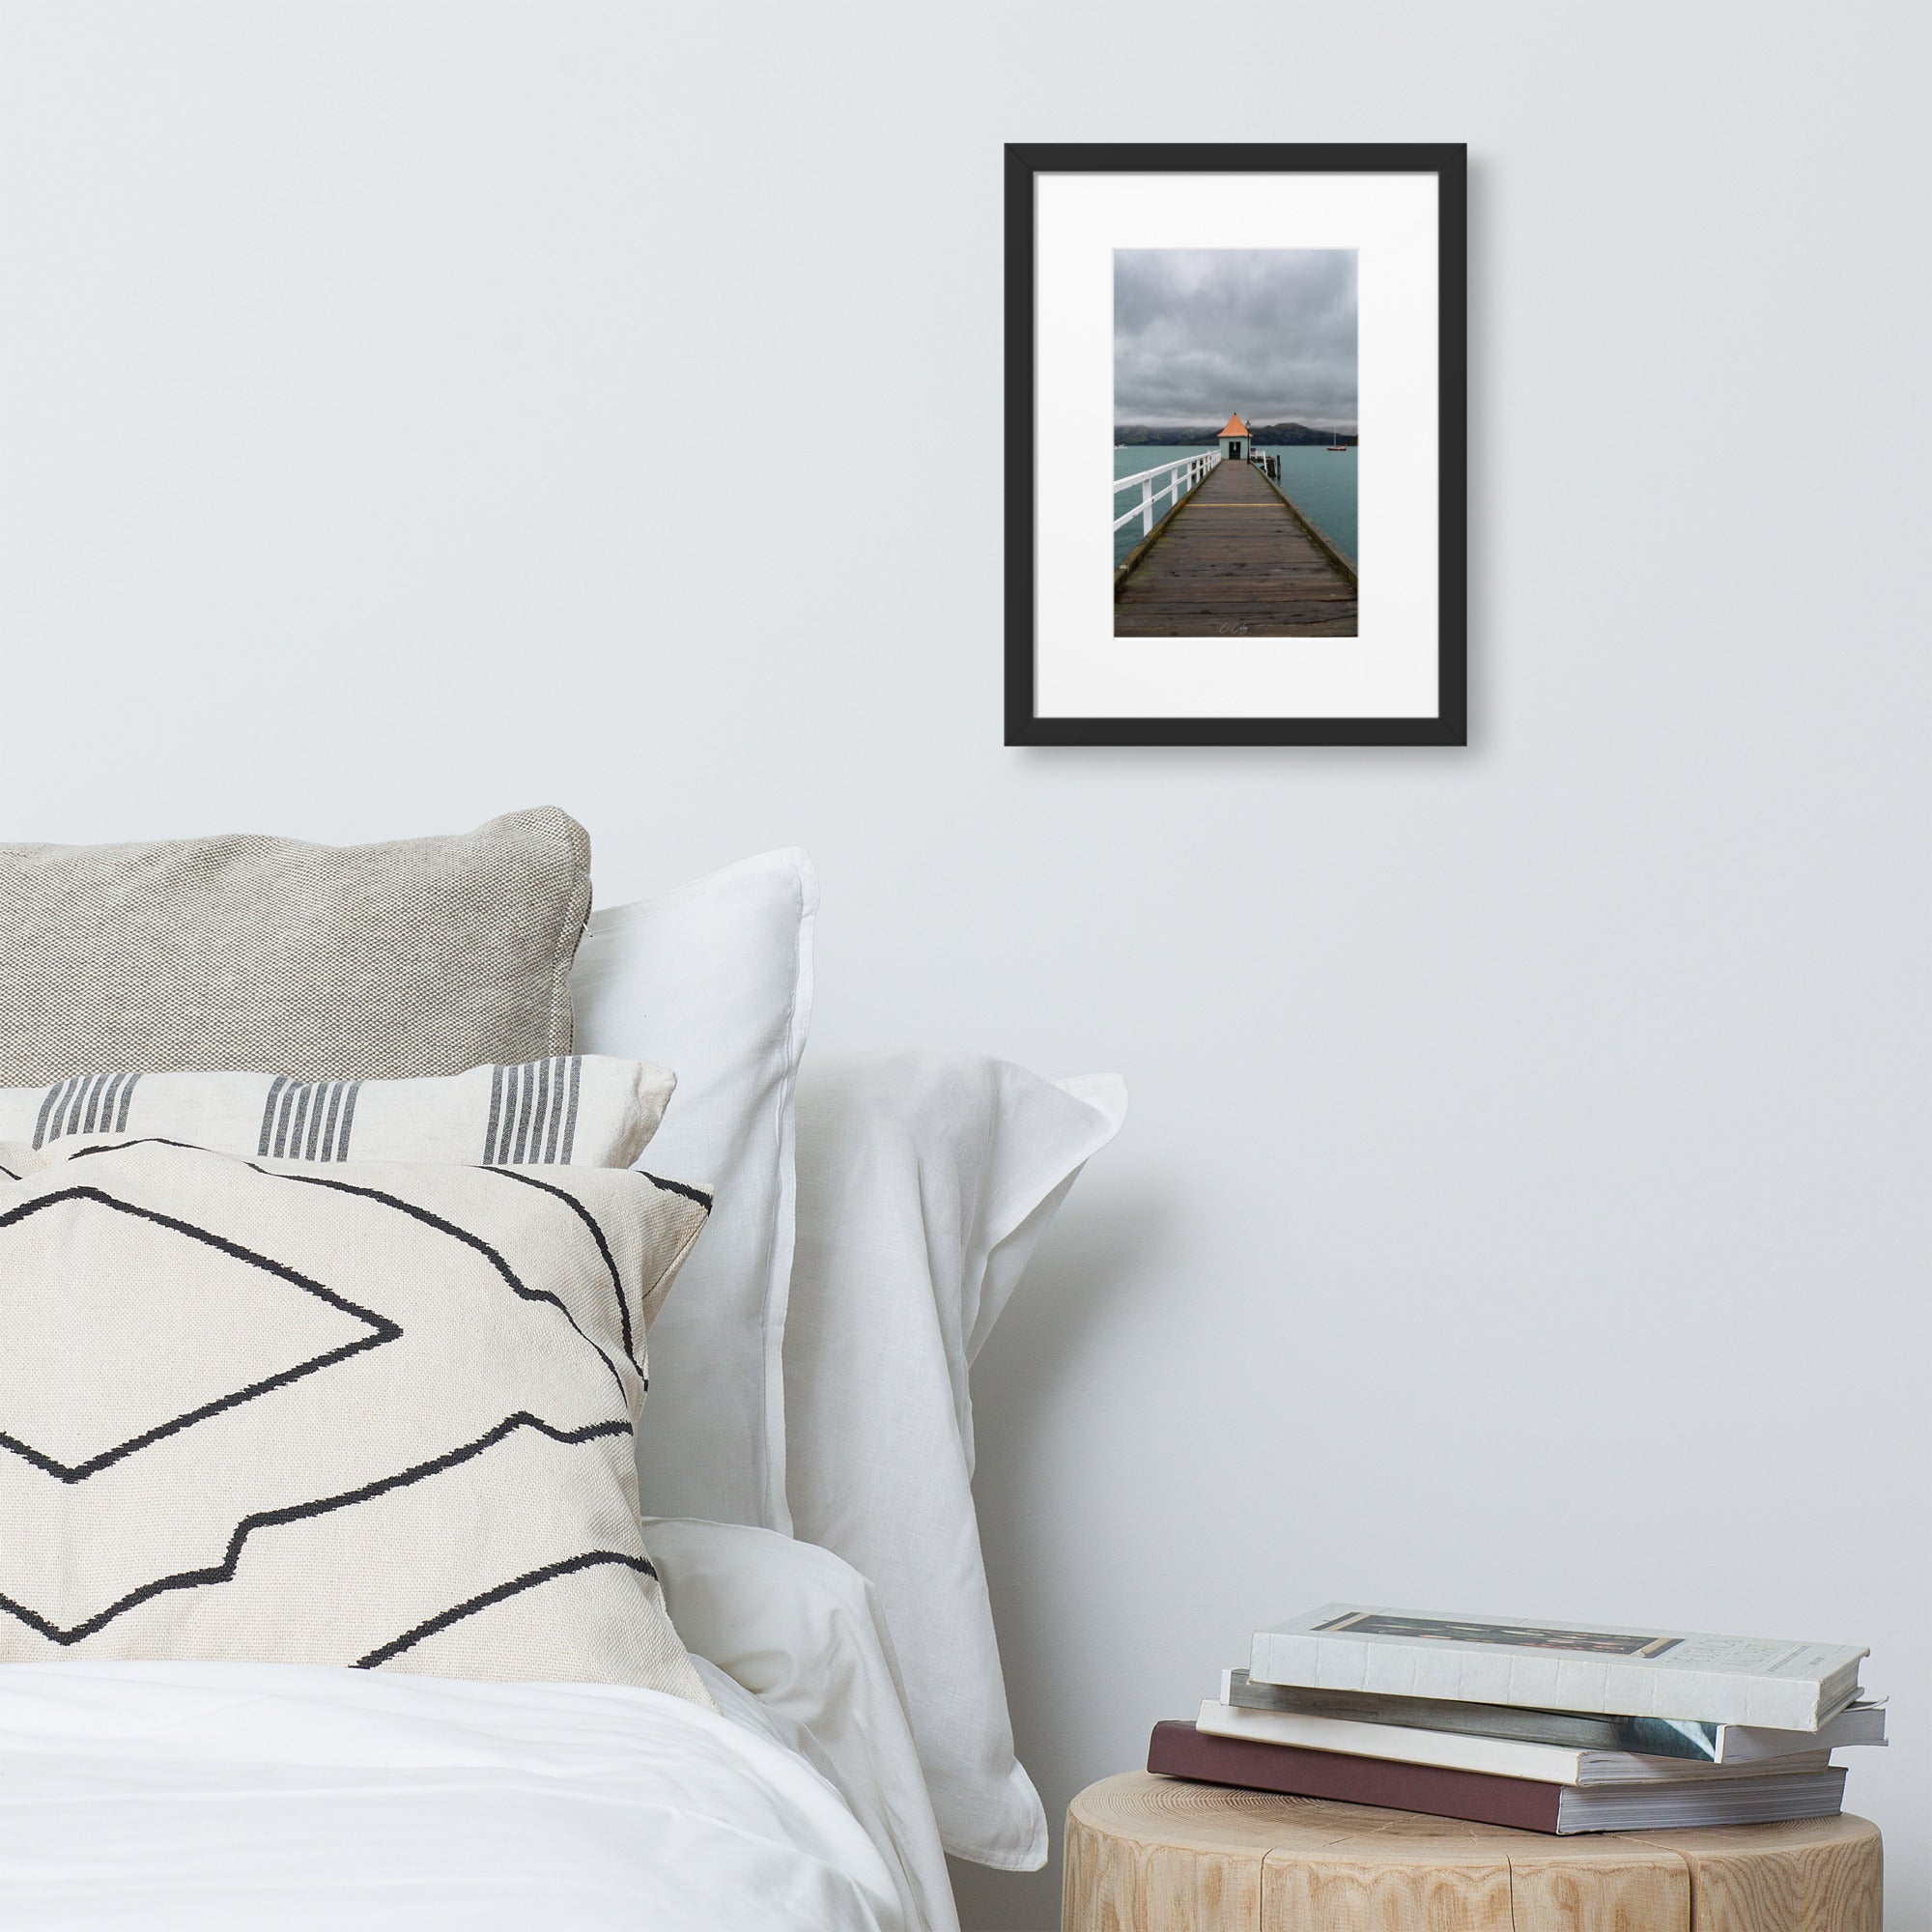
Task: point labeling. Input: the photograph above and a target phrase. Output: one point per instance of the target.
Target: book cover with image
(1552, 1665)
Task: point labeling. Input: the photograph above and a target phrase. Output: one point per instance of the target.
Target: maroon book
(1179, 1750)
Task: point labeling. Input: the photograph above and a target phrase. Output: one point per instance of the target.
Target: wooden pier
(1234, 559)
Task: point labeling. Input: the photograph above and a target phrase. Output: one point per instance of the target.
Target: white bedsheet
(231, 1796)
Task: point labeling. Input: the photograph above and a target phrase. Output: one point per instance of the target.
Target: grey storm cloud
(1198, 332)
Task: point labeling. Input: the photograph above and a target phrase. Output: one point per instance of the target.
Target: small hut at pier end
(1235, 442)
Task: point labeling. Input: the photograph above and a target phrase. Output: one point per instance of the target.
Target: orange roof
(1236, 427)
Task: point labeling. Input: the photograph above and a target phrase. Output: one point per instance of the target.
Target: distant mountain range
(1280, 435)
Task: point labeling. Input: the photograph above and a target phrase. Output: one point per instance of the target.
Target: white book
(1859, 1723)
(1493, 1757)
(1555, 1667)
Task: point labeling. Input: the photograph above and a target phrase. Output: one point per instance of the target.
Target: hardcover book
(1859, 1723)
(1494, 1757)
(1181, 1750)
(1639, 1673)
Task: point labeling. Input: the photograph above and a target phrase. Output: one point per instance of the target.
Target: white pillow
(925, 1182)
(801, 1630)
(714, 980)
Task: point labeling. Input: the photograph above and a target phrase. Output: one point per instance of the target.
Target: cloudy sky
(1198, 332)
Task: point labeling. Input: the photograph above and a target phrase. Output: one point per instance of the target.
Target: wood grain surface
(1148, 1854)
(1233, 562)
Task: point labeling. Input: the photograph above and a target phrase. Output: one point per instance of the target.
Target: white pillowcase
(714, 980)
(801, 1632)
(925, 1182)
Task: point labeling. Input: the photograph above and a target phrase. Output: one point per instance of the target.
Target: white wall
(409, 412)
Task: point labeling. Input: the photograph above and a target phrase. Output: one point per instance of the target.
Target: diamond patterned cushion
(368, 1414)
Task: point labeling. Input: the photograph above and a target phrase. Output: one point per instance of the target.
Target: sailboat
(1337, 447)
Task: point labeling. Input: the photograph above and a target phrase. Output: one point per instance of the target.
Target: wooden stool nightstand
(1148, 1854)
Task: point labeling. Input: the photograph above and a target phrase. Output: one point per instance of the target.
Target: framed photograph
(1267, 345)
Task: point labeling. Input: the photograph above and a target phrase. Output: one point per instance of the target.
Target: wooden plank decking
(1233, 561)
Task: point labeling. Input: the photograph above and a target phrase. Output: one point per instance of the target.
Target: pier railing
(1193, 468)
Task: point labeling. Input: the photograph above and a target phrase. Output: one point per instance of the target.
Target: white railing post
(1175, 480)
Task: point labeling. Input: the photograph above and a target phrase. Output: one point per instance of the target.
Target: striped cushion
(571, 1110)
(374, 1414)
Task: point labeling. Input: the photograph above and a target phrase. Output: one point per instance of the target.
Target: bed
(758, 1685)
(227, 1794)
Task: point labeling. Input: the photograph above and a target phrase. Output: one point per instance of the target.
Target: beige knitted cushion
(322, 962)
(379, 1413)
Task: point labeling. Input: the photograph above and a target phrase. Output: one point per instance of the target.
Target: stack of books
(1547, 1727)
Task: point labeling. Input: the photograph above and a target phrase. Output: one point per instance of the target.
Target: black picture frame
(1448, 163)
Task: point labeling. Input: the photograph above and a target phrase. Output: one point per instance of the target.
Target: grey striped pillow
(571, 1110)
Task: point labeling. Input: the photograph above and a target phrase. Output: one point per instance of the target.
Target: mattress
(224, 1796)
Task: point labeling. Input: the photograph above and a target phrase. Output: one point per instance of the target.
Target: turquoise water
(1322, 486)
